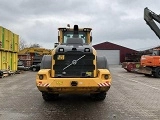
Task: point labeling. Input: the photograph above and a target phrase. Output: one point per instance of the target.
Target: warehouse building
(115, 54)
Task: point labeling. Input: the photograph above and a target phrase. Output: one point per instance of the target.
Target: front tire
(34, 69)
(157, 73)
(98, 96)
(49, 97)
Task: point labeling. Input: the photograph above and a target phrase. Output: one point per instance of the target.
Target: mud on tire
(157, 73)
(98, 96)
(49, 97)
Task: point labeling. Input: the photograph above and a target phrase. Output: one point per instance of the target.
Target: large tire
(157, 72)
(34, 69)
(98, 96)
(46, 62)
(1, 73)
(102, 62)
(130, 67)
(49, 97)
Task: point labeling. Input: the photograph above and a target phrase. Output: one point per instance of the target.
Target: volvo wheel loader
(73, 67)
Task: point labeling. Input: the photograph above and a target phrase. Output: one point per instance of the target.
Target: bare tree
(22, 44)
(35, 45)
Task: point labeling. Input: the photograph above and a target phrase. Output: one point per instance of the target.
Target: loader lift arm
(150, 17)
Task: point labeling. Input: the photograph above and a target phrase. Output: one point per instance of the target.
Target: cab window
(155, 53)
(69, 34)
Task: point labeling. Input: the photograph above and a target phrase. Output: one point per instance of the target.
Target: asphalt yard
(131, 97)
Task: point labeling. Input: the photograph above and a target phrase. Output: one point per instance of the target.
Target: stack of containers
(9, 47)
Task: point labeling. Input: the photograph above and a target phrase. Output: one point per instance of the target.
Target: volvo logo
(74, 62)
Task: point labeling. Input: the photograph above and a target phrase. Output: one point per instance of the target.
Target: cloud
(117, 21)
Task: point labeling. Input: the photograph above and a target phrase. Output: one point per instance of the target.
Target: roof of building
(109, 46)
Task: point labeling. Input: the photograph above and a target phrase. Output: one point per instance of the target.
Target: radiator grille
(83, 63)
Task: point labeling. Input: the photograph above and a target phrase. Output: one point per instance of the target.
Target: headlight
(86, 50)
(106, 77)
(41, 77)
(61, 49)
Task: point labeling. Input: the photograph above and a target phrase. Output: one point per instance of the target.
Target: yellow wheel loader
(73, 67)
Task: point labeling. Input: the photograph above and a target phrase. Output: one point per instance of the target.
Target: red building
(115, 53)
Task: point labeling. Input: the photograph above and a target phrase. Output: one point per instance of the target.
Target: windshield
(69, 34)
(155, 53)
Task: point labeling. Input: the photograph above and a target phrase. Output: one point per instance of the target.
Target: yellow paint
(60, 57)
(1, 34)
(90, 83)
(6, 39)
(16, 43)
(41, 51)
(0, 60)
(8, 60)
(64, 84)
(89, 73)
(59, 82)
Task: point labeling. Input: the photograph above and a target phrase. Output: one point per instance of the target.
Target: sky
(117, 21)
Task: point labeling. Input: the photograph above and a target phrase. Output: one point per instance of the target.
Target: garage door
(113, 56)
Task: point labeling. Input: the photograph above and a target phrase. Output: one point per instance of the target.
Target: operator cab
(156, 52)
(73, 33)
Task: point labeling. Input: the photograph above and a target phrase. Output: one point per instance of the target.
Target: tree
(22, 44)
(35, 45)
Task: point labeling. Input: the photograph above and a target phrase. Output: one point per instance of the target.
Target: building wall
(113, 56)
(112, 46)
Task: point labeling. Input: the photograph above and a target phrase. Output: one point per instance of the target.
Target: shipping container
(9, 46)
(8, 61)
(4, 60)
(1, 38)
(0, 60)
(6, 40)
(10, 41)
(1, 29)
(14, 61)
(15, 43)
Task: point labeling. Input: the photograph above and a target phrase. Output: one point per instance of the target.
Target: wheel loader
(73, 67)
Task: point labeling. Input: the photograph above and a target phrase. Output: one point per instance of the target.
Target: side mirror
(58, 38)
(90, 38)
(56, 44)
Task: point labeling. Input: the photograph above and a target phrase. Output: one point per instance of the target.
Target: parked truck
(132, 61)
(74, 67)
